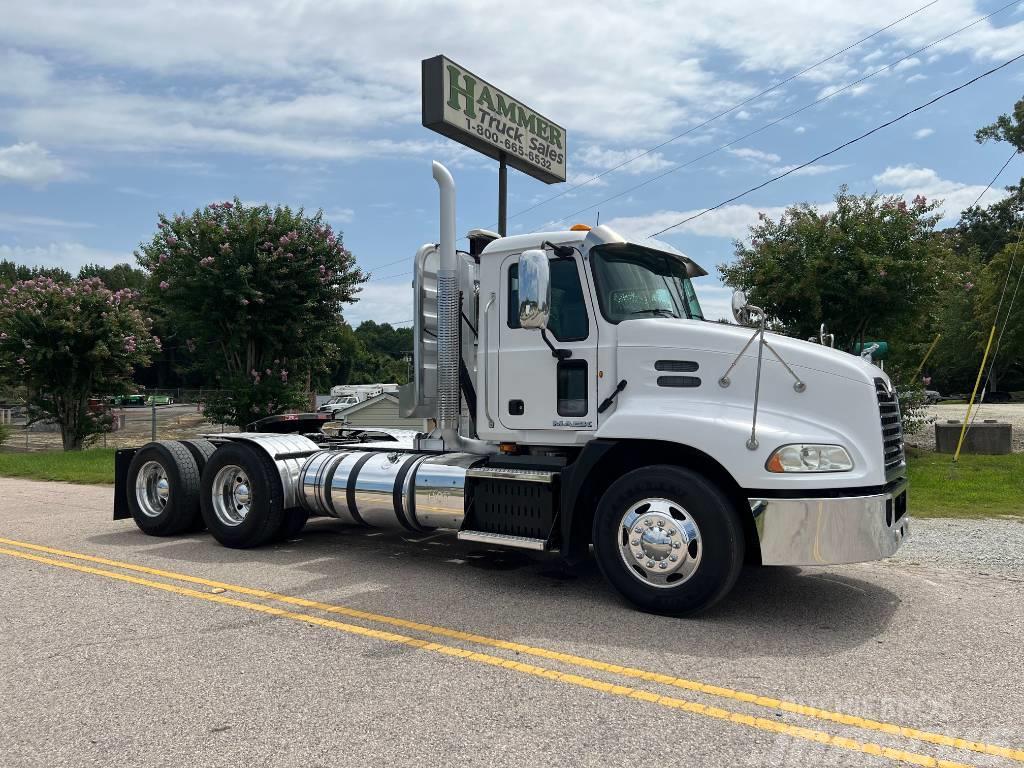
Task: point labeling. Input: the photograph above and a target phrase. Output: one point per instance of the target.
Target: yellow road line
(565, 658)
(670, 702)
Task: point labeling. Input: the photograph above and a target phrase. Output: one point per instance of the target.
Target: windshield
(640, 283)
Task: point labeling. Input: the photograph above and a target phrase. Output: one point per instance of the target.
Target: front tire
(241, 496)
(668, 540)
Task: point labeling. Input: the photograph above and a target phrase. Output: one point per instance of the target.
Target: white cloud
(30, 164)
(916, 78)
(68, 255)
(800, 129)
(743, 115)
(637, 162)
(910, 180)
(731, 221)
(810, 170)
(910, 63)
(340, 215)
(385, 301)
(16, 222)
(923, 133)
(754, 155)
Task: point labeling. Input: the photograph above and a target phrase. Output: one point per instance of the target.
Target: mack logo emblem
(461, 106)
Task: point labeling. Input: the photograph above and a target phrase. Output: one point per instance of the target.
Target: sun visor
(610, 239)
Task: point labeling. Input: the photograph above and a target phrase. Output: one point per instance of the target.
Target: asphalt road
(371, 649)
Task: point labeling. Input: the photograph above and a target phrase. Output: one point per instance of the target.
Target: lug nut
(663, 564)
(635, 542)
(676, 545)
(650, 563)
(638, 529)
(673, 558)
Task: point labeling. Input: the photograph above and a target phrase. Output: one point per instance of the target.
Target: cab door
(535, 390)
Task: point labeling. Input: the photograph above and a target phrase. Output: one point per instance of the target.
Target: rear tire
(163, 489)
(201, 451)
(668, 540)
(292, 522)
(241, 496)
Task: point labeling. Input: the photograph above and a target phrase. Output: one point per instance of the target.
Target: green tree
(116, 277)
(67, 342)
(11, 273)
(865, 269)
(255, 296)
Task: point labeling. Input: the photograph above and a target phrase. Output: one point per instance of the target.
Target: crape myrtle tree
(254, 295)
(64, 342)
(864, 269)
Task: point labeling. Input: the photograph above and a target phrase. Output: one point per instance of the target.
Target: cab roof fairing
(598, 236)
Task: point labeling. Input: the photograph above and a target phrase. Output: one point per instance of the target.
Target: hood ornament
(745, 313)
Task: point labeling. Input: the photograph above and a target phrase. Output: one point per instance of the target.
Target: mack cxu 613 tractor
(575, 399)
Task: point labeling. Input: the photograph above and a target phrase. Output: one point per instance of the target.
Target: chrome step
(504, 539)
(522, 475)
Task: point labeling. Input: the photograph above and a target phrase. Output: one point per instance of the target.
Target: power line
(841, 146)
(725, 112)
(795, 112)
(998, 174)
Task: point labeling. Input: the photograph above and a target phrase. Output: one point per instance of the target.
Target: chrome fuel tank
(382, 489)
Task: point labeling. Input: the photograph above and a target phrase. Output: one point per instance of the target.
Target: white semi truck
(579, 400)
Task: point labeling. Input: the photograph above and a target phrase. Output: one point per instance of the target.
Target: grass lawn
(976, 486)
(92, 466)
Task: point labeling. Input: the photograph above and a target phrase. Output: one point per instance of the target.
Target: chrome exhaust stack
(449, 396)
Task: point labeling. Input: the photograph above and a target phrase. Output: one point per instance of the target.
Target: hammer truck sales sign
(473, 112)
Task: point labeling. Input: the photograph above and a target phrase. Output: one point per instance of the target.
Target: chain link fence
(136, 418)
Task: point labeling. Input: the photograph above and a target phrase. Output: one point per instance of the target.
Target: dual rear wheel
(234, 491)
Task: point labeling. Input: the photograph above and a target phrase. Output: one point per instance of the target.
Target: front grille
(892, 426)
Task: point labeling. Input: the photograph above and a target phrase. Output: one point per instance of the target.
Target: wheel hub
(231, 495)
(660, 542)
(152, 489)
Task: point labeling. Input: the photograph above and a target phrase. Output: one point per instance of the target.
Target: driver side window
(569, 320)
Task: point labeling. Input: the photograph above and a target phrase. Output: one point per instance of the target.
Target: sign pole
(502, 195)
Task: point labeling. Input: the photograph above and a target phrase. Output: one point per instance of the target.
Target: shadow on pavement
(434, 578)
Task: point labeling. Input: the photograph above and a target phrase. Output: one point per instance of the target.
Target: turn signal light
(803, 457)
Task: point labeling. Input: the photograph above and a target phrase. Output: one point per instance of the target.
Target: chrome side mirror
(742, 311)
(534, 289)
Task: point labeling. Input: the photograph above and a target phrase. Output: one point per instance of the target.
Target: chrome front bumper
(829, 531)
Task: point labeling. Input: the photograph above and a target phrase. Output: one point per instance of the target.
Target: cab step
(504, 540)
(513, 474)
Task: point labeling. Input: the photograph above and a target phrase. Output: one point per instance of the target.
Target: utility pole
(502, 195)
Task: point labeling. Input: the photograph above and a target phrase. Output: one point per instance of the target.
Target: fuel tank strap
(350, 490)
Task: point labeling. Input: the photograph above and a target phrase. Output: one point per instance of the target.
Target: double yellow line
(25, 551)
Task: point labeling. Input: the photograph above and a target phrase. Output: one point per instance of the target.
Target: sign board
(461, 106)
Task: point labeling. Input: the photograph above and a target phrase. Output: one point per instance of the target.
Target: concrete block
(989, 437)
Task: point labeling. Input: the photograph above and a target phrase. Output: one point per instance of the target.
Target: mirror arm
(558, 354)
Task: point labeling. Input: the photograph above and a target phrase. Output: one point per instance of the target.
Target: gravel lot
(1009, 412)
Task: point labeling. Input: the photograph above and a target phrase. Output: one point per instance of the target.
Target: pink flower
(164, 285)
(172, 240)
(21, 361)
(163, 257)
(245, 302)
(225, 248)
(284, 376)
(968, 286)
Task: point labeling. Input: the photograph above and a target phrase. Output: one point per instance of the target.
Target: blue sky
(110, 114)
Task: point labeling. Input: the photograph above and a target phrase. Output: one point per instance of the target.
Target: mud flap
(122, 460)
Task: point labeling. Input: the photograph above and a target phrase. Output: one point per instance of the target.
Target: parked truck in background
(346, 395)
(579, 401)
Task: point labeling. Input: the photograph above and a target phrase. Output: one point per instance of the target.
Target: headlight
(809, 458)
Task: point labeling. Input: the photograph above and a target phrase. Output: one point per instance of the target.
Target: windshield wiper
(659, 312)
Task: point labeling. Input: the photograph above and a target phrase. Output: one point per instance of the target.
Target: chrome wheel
(152, 490)
(231, 495)
(660, 543)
